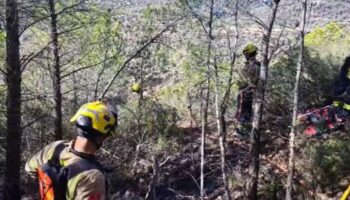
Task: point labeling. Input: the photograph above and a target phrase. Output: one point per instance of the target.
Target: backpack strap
(52, 176)
(55, 158)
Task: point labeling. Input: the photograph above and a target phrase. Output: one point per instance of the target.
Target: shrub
(316, 81)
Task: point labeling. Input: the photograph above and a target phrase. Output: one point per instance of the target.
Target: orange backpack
(52, 177)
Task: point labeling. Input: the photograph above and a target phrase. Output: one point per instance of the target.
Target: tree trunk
(13, 80)
(204, 94)
(154, 180)
(259, 96)
(105, 63)
(289, 186)
(222, 136)
(205, 102)
(202, 193)
(233, 55)
(56, 72)
(221, 110)
(139, 119)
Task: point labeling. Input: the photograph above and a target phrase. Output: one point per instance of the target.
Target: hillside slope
(322, 12)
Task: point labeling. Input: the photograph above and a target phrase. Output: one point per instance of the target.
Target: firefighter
(248, 81)
(76, 174)
(341, 90)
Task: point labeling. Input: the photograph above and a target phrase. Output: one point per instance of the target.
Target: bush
(328, 164)
(315, 84)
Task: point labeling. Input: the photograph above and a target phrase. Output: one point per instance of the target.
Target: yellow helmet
(96, 117)
(136, 87)
(250, 49)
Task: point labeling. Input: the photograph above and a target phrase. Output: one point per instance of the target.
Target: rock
(344, 183)
(128, 195)
(325, 136)
(238, 194)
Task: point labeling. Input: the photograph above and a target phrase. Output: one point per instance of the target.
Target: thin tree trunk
(107, 35)
(221, 136)
(233, 55)
(139, 121)
(13, 112)
(289, 186)
(100, 74)
(75, 92)
(56, 72)
(217, 104)
(202, 149)
(221, 122)
(205, 103)
(259, 96)
(154, 180)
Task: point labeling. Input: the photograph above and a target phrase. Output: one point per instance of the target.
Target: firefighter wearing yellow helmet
(247, 81)
(136, 87)
(69, 169)
(97, 118)
(250, 50)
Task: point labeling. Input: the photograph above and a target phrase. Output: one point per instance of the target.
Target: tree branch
(47, 16)
(32, 122)
(3, 71)
(30, 57)
(87, 67)
(255, 18)
(137, 52)
(195, 15)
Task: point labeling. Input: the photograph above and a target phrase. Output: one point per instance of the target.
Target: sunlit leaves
(320, 36)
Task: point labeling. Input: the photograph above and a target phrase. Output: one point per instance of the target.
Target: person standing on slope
(248, 81)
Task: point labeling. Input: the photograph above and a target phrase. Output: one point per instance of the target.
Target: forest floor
(179, 175)
(182, 171)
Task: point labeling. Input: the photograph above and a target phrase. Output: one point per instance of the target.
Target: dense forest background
(176, 138)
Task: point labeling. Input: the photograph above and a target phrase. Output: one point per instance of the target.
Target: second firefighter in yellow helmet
(136, 87)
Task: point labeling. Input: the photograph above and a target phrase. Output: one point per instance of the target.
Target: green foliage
(161, 57)
(166, 144)
(331, 41)
(2, 38)
(2, 49)
(152, 13)
(318, 76)
(331, 33)
(151, 119)
(271, 189)
(330, 162)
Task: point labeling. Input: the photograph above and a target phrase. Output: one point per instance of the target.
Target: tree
(289, 186)
(218, 109)
(259, 96)
(56, 71)
(232, 55)
(45, 14)
(13, 80)
(136, 54)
